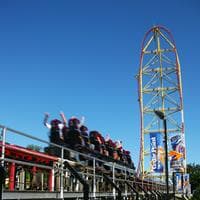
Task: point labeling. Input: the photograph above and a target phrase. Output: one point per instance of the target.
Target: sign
(157, 153)
(179, 182)
(177, 153)
(186, 184)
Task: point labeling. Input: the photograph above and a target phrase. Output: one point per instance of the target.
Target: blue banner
(157, 152)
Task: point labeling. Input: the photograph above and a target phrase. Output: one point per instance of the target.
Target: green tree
(194, 171)
(196, 194)
(34, 147)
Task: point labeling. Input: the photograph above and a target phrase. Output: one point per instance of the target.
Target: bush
(196, 194)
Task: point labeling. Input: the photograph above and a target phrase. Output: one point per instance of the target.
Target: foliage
(34, 147)
(196, 194)
(194, 171)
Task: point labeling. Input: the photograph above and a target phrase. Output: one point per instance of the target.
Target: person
(98, 141)
(75, 139)
(110, 146)
(55, 128)
(119, 149)
(56, 133)
(75, 123)
(84, 135)
(129, 160)
(64, 128)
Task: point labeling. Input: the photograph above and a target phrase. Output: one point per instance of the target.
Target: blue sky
(81, 57)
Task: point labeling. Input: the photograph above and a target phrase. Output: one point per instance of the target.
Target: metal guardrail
(6, 129)
(114, 186)
(76, 174)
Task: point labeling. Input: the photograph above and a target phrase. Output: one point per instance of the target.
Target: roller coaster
(77, 164)
(73, 174)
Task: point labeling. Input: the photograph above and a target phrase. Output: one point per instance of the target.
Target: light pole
(2, 179)
(162, 117)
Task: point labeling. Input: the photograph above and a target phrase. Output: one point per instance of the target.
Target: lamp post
(162, 117)
(2, 179)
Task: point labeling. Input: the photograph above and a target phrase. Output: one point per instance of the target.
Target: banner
(186, 184)
(177, 153)
(179, 182)
(157, 153)
(182, 182)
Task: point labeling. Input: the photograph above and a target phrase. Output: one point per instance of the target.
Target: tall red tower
(160, 88)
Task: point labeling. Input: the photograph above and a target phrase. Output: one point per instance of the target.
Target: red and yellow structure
(160, 89)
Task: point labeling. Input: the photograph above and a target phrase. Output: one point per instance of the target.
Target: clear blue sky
(81, 57)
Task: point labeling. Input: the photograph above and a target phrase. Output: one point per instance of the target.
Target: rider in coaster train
(119, 149)
(129, 160)
(56, 128)
(98, 141)
(110, 146)
(74, 138)
(84, 134)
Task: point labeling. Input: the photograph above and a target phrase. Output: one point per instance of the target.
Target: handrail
(141, 188)
(114, 185)
(159, 195)
(154, 194)
(65, 148)
(82, 181)
(134, 189)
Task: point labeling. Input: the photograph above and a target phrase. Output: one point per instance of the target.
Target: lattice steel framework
(159, 88)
